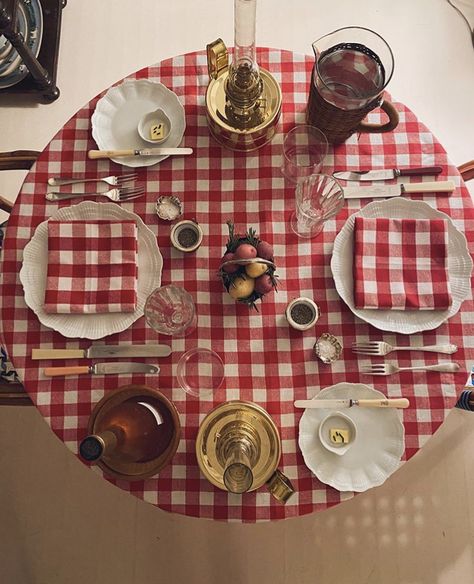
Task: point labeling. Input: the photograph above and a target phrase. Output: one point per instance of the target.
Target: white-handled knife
(95, 154)
(400, 402)
(102, 369)
(376, 191)
(103, 351)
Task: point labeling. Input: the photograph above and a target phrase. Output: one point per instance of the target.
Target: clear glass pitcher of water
(353, 66)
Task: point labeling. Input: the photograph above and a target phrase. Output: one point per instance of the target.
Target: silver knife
(101, 369)
(400, 402)
(103, 351)
(94, 154)
(377, 191)
(387, 174)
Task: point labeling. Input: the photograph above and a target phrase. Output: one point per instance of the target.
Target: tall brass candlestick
(243, 101)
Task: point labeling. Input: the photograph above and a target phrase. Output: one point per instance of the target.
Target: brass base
(254, 424)
(246, 139)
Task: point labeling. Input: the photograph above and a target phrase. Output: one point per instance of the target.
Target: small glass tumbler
(304, 150)
(318, 198)
(238, 475)
(170, 310)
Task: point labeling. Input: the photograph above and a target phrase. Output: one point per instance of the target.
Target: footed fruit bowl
(247, 267)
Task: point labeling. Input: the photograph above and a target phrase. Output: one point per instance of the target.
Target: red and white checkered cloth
(92, 266)
(401, 264)
(266, 361)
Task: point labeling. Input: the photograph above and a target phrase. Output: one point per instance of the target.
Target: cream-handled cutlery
(400, 402)
(384, 191)
(103, 351)
(389, 368)
(95, 154)
(110, 180)
(382, 348)
(101, 369)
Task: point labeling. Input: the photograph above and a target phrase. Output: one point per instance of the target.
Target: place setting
(250, 317)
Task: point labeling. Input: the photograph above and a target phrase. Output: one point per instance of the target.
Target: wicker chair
(12, 393)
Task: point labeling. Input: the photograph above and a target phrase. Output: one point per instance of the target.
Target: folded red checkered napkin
(401, 264)
(92, 266)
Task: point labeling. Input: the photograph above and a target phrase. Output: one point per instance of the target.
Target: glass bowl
(200, 372)
(170, 310)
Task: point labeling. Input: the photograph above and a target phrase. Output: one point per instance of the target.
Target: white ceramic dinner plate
(89, 326)
(117, 115)
(30, 25)
(402, 321)
(375, 453)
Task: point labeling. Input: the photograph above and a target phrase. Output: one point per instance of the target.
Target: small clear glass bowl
(200, 372)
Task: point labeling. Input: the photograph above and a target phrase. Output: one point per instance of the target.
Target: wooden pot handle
(18, 160)
(392, 123)
(467, 170)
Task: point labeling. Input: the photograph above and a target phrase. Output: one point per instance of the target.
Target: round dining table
(266, 361)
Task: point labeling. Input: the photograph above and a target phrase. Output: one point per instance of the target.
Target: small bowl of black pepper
(302, 313)
(186, 236)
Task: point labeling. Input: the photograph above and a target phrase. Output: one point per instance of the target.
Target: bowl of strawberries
(247, 267)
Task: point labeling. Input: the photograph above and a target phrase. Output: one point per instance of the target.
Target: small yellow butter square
(156, 131)
(339, 436)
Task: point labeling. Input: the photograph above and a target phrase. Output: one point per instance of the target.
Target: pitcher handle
(280, 486)
(392, 123)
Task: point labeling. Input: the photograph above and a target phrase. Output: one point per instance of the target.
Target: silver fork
(382, 348)
(389, 368)
(116, 195)
(110, 180)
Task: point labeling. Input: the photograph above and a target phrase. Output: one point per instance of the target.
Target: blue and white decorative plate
(30, 25)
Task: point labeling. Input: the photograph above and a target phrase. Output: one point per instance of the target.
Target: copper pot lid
(252, 422)
(134, 471)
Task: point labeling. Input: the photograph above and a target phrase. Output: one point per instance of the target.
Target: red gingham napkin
(92, 266)
(401, 264)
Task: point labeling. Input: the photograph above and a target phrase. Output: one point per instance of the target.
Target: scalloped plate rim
(112, 210)
(331, 480)
(100, 109)
(368, 315)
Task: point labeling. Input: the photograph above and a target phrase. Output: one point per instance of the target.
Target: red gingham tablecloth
(265, 360)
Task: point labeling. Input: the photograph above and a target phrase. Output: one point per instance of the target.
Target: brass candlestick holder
(243, 101)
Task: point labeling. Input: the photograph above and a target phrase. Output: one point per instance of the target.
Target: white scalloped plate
(376, 451)
(89, 326)
(402, 321)
(118, 113)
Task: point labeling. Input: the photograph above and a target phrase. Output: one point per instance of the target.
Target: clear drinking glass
(304, 150)
(170, 310)
(238, 475)
(318, 198)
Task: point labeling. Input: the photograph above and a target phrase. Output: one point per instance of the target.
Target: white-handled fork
(117, 195)
(382, 348)
(389, 368)
(110, 180)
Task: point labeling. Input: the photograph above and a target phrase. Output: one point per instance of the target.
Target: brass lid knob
(217, 58)
(280, 486)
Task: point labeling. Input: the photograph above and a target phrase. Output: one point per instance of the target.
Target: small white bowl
(340, 421)
(311, 305)
(150, 119)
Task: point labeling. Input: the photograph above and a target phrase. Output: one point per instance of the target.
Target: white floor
(59, 522)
